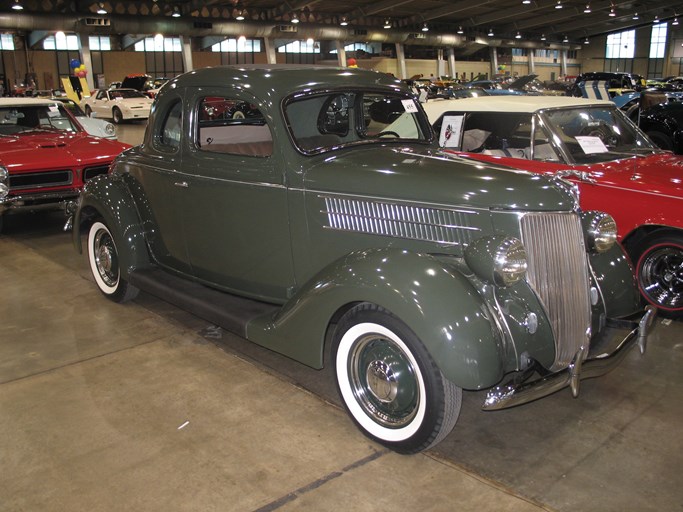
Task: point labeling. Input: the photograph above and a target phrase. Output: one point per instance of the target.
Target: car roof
(260, 79)
(518, 104)
(24, 102)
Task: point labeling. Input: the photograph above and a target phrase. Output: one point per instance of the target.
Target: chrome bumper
(583, 366)
(43, 201)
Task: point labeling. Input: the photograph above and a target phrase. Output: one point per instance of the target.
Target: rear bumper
(585, 365)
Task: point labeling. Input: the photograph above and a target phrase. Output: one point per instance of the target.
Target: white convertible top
(511, 103)
(25, 102)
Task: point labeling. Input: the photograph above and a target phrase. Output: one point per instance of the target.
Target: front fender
(434, 300)
(615, 279)
(107, 197)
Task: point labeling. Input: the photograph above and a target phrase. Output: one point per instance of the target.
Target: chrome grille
(448, 227)
(558, 272)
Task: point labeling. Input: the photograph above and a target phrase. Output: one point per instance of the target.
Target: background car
(46, 156)
(616, 167)
(325, 215)
(663, 123)
(95, 127)
(118, 104)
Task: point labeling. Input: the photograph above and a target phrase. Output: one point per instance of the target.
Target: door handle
(182, 184)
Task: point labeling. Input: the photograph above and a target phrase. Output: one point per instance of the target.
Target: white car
(117, 104)
(96, 127)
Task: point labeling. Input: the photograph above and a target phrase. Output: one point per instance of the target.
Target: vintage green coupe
(298, 205)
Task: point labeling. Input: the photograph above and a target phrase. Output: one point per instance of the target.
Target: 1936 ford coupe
(329, 212)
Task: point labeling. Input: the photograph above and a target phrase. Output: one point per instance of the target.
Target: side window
(233, 127)
(171, 127)
(101, 95)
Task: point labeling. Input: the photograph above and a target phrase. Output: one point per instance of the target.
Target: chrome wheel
(383, 380)
(660, 275)
(105, 264)
(106, 259)
(389, 383)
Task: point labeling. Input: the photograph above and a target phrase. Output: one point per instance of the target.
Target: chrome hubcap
(105, 258)
(661, 276)
(383, 381)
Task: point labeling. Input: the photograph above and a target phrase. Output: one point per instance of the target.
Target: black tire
(661, 140)
(104, 264)
(659, 270)
(116, 115)
(389, 384)
(88, 111)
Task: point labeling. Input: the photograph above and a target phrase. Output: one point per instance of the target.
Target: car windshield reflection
(15, 120)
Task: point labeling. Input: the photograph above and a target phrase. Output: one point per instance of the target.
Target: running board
(230, 312)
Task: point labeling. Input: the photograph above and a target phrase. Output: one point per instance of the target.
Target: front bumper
(42, 201)
(584, 366)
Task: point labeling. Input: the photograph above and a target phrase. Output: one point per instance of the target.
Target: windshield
(28, 119)
(322, 122)
(125, 93)
(595, 134)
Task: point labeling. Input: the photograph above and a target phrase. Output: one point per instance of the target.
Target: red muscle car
(616, 167)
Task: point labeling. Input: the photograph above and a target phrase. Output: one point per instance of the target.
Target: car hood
(436, 177)
(661, 173)
(42, 151)
(133, 102)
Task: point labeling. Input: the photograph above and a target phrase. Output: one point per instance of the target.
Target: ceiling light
(586, 41)
(675, 21)
(559, 4)
(587, 10)
(17, 6)
(425, 28)
(343, 21)
(636, 17)
(295, 18)
(656, 20)
(526, 2)
(460, 30)
(542, 37)
(518, 36)
(490, 32)
(387, 23)
(176, 12)
(612, 13)
(101, 9)
(565, 40)
(240, 15)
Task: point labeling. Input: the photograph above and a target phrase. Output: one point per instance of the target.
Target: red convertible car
(46, 156)
(616, 167)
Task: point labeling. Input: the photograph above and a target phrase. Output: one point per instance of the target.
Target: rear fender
(433, 299)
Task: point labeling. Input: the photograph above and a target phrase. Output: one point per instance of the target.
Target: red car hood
(661, 173)
(50, 151)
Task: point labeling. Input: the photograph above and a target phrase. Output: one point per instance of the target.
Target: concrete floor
(144, 407)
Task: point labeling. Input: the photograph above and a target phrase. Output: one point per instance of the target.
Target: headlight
(4, 182)
(500, 260)
(109, 129)
(600, 229)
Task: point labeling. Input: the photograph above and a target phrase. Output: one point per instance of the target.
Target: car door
(235, 214)
(101, 104)
(158, 185)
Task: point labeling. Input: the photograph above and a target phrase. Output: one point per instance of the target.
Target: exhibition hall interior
(323, 255)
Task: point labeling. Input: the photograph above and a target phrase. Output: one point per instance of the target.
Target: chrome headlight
(600, 229)
(109, 129)
(500, 260)
(4, 182)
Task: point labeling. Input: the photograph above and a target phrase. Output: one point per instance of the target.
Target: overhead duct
(193, 27)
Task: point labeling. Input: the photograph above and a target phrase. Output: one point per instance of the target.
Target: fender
(438, 303)
(107, 196)
(615, 279)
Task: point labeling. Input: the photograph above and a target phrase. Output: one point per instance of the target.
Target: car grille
(40, 179)
(558, 272)
(91, 172)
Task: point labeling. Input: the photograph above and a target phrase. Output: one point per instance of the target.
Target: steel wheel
(389, 383)
(660, 273)
(117, 116)
(104, 264)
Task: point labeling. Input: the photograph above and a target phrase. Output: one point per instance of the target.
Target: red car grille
(40, 179)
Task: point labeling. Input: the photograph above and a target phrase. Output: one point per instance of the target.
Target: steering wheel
(388, 132)
(602, 132)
